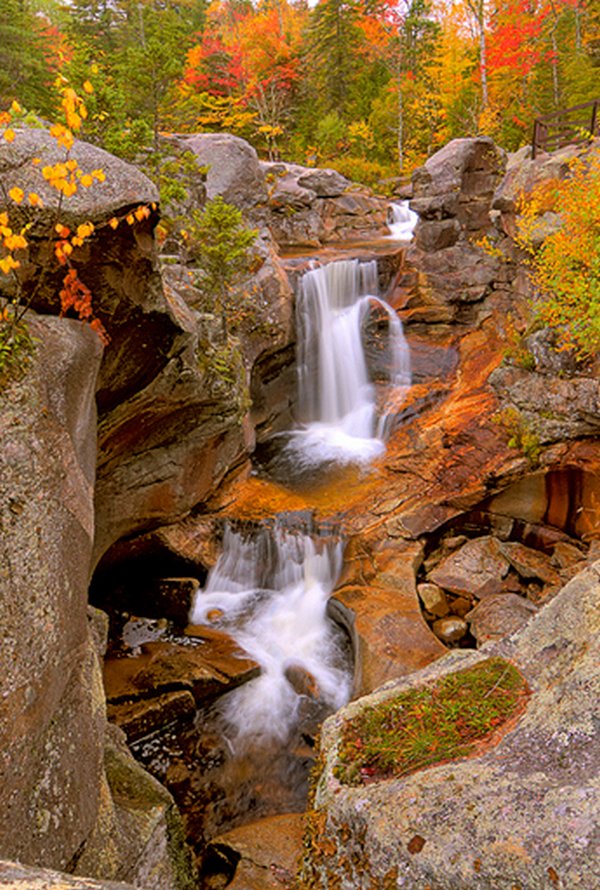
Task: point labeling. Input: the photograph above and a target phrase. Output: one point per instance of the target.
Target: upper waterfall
(337, 399)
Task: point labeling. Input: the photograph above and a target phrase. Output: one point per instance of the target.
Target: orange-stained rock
(383, 616)
(206, 670)
(267, 852)
(467, 571)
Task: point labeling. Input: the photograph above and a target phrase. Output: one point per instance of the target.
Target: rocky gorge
(474, 535)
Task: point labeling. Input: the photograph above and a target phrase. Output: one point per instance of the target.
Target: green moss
(430, 724)
(521, 433)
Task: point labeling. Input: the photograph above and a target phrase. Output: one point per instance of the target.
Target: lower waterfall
(269, 590)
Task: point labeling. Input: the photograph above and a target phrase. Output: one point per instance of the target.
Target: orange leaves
(63, 136)
(77, 296)
(16, 194)
(565, 266)
(11, 241)
(8, 263)
(66, 176)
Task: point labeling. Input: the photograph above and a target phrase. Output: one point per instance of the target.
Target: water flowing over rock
(271, 590)
(402, 221)
(337, 400)
(453, 526)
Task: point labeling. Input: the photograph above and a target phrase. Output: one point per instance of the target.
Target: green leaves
(220, 244)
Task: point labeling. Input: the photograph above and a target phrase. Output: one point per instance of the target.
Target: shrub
(565, 269)
(219, 243)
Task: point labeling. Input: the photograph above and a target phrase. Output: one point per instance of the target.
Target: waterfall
(269, 590)
(337, 399)
(401, 221)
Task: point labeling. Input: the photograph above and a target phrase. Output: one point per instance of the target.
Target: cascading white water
(337, 401)
(272, 589)
(401, 221)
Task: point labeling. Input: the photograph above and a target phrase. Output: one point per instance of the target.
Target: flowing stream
(338, 410)
(269, 590)
(270, 587)
(401, 221)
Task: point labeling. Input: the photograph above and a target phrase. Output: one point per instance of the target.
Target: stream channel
(248, 755)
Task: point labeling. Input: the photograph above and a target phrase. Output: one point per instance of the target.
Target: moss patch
(430, 724)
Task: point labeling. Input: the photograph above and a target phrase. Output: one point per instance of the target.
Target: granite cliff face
(458, 523)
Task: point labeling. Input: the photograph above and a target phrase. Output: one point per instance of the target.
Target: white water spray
(337, 400)
(401, 221)
(272, 590)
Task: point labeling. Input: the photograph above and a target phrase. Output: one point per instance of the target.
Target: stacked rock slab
(452, 193)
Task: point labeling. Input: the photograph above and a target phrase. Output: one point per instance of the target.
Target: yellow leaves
(113, 223)
(98, 175)
(16, 194)
(88, 88)
(62, 135)
(61, 230)
(9, 135)
(130, 219)
(62, 250)
(83, 231)
(86, 180)
(5, 118)
(8, 263)
(15, 107)
(15, 242)
(142, 213)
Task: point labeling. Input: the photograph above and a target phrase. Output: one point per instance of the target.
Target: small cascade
(401, 221)
(338, 402)
(269, 590)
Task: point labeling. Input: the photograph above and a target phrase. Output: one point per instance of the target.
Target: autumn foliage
(370, 86)
(65, 177)
(566, 266)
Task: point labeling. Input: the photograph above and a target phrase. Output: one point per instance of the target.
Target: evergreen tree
(24, 72)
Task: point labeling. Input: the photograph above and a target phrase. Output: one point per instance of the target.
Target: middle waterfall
(338, 411)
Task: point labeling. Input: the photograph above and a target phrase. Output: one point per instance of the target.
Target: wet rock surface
(454, 524)
(264, 854)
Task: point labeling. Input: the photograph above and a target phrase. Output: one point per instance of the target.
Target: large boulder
(313, 206)
(234, 171)
(63, 802)
(522, 811)
(446, 269)
(52, 700)
(120, 266)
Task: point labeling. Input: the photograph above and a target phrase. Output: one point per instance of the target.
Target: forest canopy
(369, 86)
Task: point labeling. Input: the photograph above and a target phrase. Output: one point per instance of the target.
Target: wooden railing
(568, 127)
